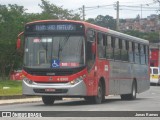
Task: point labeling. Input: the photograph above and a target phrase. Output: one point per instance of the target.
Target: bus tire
(98, 99)
(48, 100)
(89, 99)
(133, 94)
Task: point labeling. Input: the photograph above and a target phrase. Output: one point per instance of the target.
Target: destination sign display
(54, 27)
(63, 27)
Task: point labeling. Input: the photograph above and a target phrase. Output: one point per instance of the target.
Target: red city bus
(65, 58)
(154, 57)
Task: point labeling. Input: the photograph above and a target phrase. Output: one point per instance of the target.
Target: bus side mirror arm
(94, 47)
(19, 41)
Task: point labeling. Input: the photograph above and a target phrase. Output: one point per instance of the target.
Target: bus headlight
(28, 81)
(77, 80)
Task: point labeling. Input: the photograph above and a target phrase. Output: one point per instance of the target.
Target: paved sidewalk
(22, 100)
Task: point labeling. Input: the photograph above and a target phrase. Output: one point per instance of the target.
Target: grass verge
(10, 87)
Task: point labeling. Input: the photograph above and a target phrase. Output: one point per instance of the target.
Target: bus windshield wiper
(61, 46)
(45, 47)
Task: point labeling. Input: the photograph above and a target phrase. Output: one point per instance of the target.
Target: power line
(121, 7)
(138, 6)
(138, 10)
(143, 7)
(99, 6)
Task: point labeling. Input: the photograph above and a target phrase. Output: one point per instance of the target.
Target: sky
(128, 8)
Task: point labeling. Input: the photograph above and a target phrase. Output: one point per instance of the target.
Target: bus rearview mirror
(19, 40)
(18, 43)
(93, 48)
(91, 35)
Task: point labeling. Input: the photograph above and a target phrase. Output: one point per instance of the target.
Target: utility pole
(117, 21)
(159, 38)
(141, 11)
(83, 12)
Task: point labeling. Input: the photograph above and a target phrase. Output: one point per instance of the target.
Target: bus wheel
(48, 100)
(98, 99)
(133, 94)
(89, 99)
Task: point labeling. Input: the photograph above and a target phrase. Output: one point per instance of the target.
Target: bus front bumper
(54, 89)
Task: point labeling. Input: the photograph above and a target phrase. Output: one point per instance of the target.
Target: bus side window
(137, 53)
(90, 57)
(124, 51)
(117, 49)
(147, 54)
(131, 52)
(101, 46)
(109, 48)
(142, 54)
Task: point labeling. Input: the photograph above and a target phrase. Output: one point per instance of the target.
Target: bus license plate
(50, 90)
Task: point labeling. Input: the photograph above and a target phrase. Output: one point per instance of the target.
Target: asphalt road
(147, 101)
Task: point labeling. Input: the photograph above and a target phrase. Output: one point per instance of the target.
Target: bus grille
(53, 72)
(57, 73)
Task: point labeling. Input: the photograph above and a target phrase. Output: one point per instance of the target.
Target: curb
(18, 101)
(5, 100)
(15, 97)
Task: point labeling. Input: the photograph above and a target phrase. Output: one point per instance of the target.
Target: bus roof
(99, 28)
(132, 38)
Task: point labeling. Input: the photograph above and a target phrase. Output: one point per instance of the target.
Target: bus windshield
(54, 51)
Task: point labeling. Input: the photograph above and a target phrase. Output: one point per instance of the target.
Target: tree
(51, 11)
(104, 21)
(138, 18)
(153, 37)
(11, 23)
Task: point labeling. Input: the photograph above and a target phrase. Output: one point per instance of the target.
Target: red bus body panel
(154, 57)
